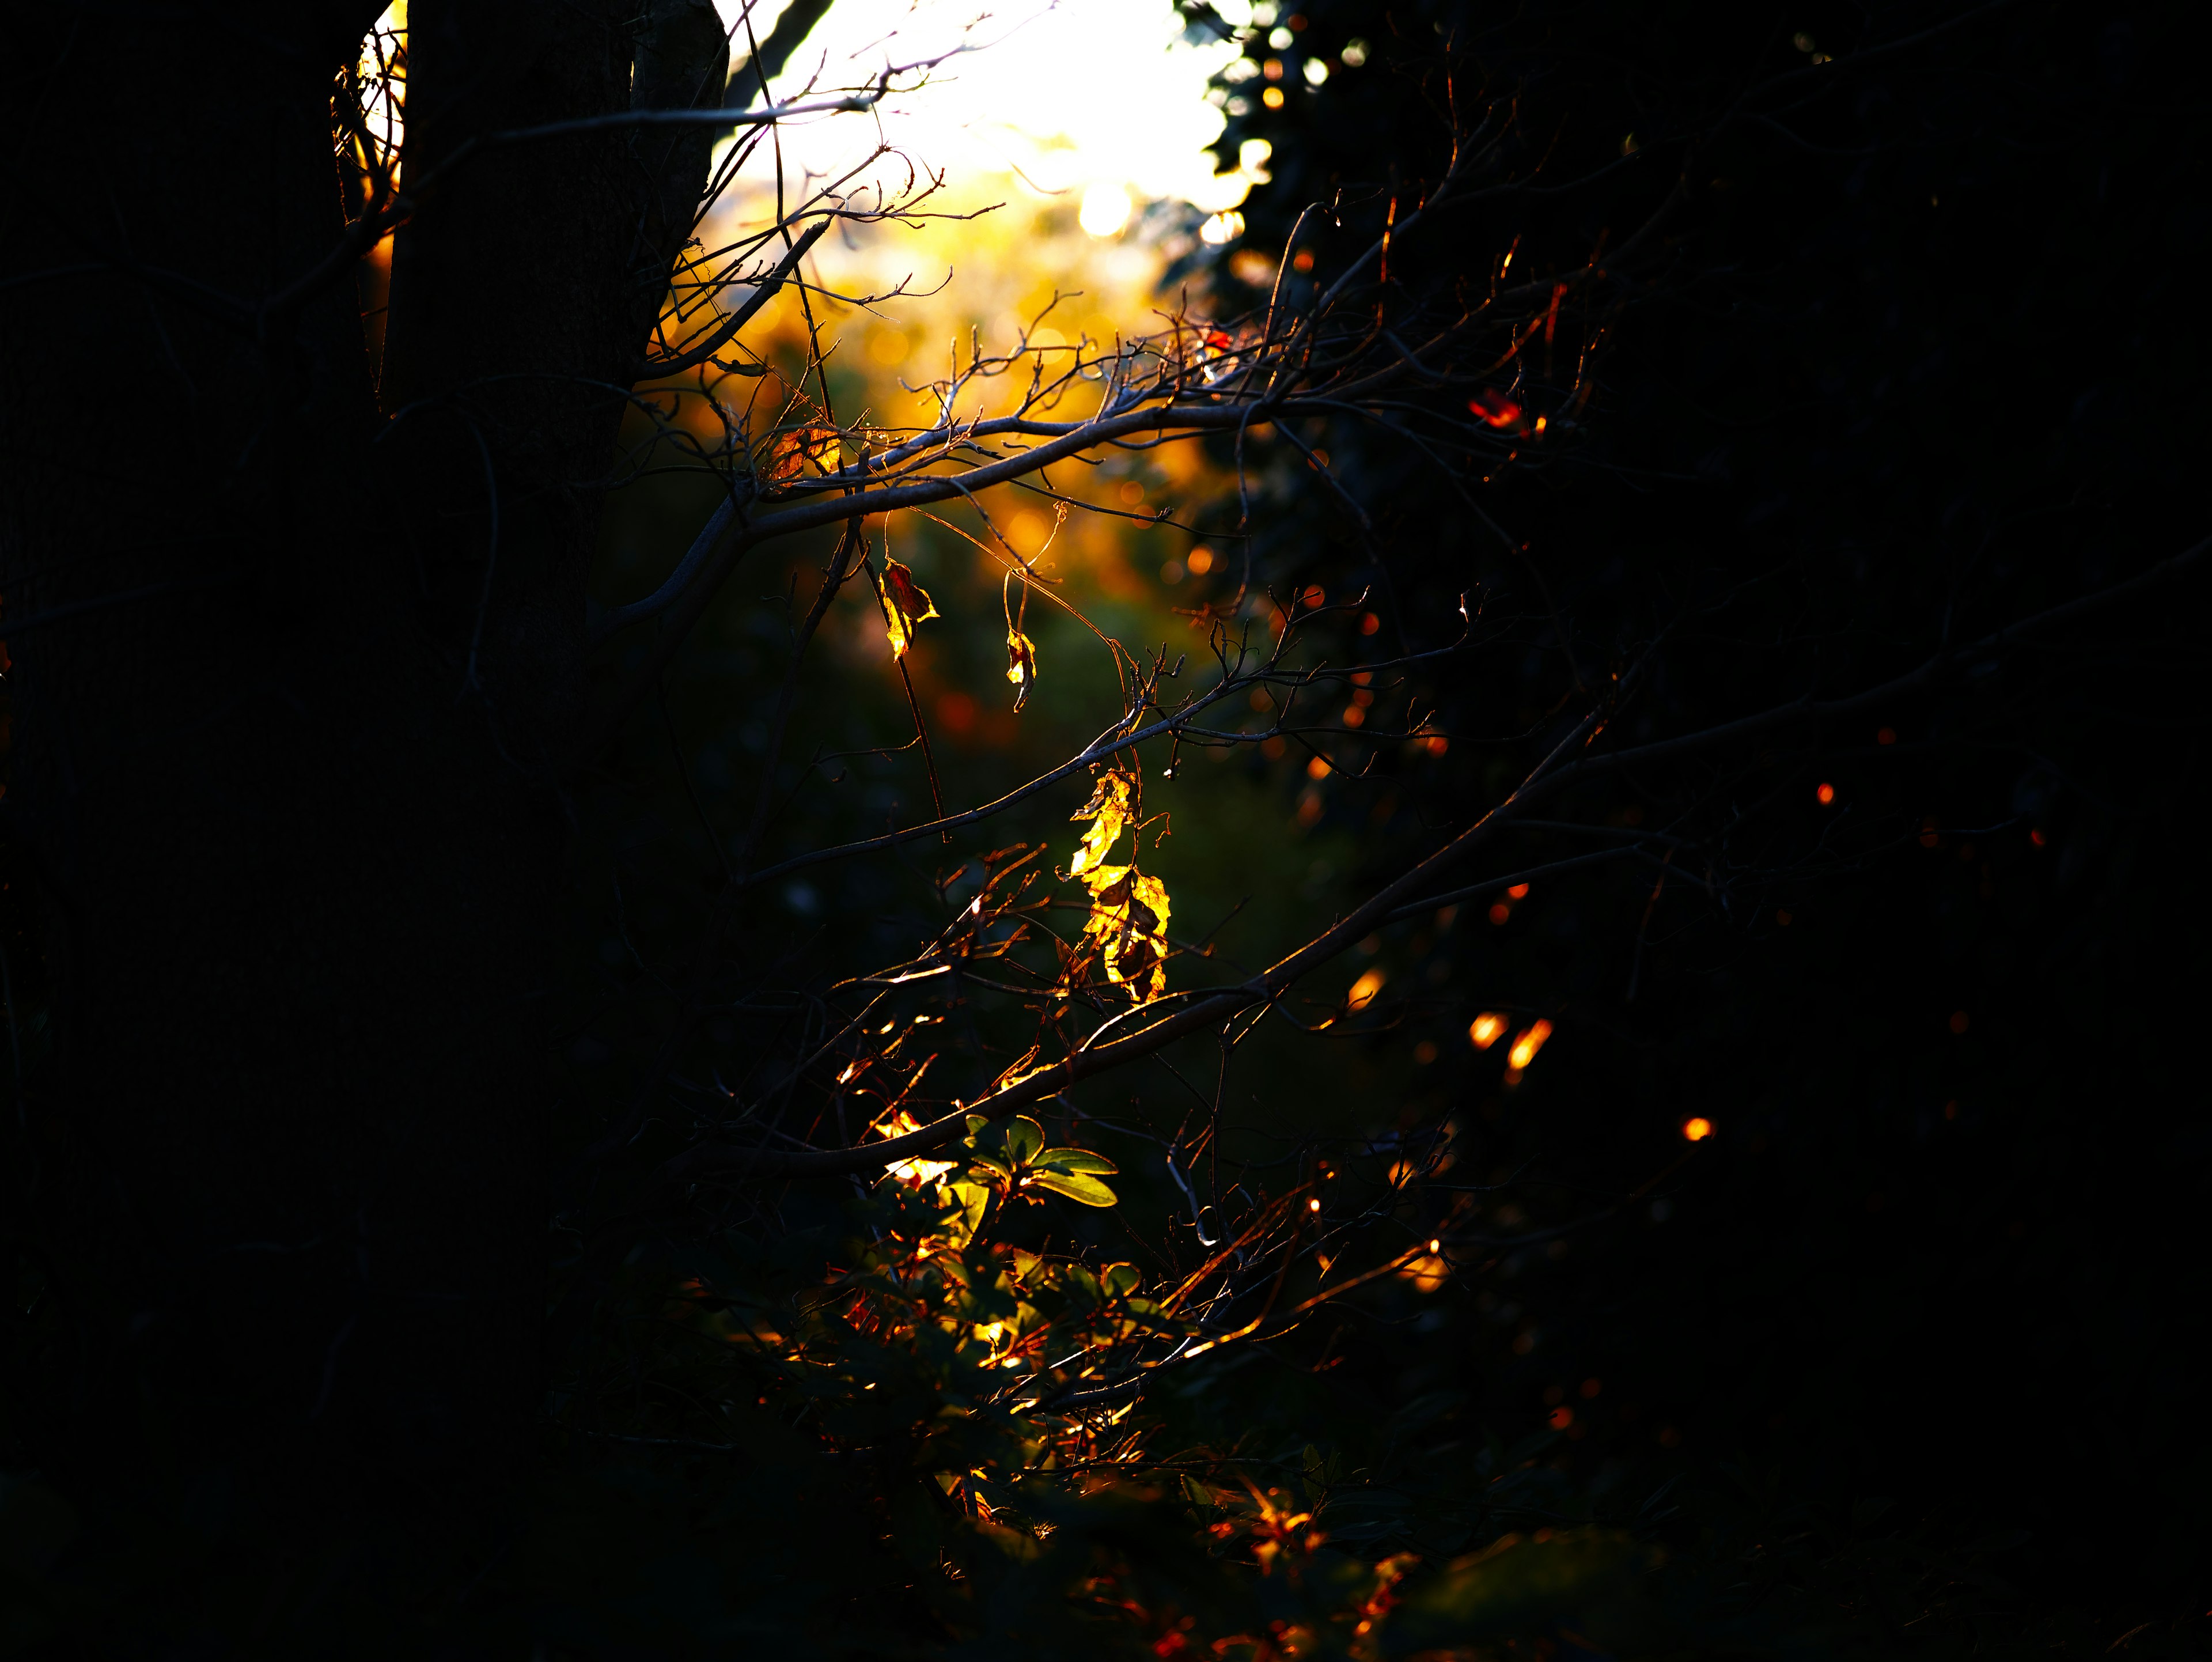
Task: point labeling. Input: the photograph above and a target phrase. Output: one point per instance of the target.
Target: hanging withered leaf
(1108, 811)
(1021, 651)
(905, 604)
(1129, 920)
(1021, 665)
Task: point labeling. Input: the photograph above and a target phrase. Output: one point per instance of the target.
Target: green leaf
(1025, 1136)
(1077, 1187)
(973, 1198)
(1075, 1159)
(992, 1163)
(1119, 1278)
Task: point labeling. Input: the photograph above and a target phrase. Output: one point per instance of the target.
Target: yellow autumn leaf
(1129, 920)
(1108, 811)
(914, 1172)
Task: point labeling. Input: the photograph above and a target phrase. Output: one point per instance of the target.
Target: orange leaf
(791, 451)
(1495, 408)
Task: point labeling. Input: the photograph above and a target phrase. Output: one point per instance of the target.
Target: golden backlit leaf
(1107, 810)
(1021, 665)
(1129, 920)
(914, 1172)
(905, 604)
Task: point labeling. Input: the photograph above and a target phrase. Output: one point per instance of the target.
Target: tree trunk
(293, 682)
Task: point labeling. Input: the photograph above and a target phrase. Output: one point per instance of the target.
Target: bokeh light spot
(1105, 210)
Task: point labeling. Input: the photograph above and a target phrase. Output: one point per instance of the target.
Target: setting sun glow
(1134, 123)
(1105, 208)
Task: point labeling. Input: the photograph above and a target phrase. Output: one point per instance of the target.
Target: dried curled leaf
(1021, 665)
(1107, 810)
(790, 451)
(905, 604)
(1129, 919)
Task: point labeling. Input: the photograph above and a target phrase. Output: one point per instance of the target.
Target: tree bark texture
(297, 656)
